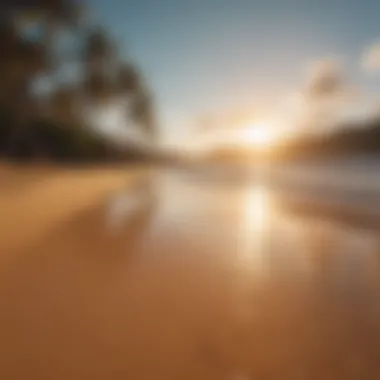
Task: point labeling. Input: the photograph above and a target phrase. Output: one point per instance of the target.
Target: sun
(259, 135)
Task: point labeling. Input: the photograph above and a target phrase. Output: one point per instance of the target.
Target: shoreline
(34, 199)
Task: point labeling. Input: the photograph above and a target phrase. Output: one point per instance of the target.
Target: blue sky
(209, 56)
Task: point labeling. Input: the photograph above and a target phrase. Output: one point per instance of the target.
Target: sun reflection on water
(255, 219)
(256, 209)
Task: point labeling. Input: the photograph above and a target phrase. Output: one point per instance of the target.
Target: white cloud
(324, 97)
(371, 58)
(324, 78)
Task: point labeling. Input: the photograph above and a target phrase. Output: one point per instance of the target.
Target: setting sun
(258, 135)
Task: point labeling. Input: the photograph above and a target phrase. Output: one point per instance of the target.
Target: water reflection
(255, 217)
(256, 209)
(196, 281)
(131, 201)
(257, 228)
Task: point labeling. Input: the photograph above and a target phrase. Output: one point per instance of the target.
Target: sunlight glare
(258, 135)
(256, 209)
(256, 212)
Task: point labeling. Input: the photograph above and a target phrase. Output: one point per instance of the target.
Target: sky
(241, 59)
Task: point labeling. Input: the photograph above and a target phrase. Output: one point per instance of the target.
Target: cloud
(371, 58)
(323, 102)
(324, 78)
(322, 99)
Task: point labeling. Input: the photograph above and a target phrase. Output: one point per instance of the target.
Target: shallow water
(185, 277)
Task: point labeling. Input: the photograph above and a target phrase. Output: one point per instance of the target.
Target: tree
(143, 114)
(103, 76)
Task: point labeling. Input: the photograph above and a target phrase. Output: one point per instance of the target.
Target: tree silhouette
(102, 77)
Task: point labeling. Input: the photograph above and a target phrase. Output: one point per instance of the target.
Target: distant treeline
(350, 139)
(43, 110)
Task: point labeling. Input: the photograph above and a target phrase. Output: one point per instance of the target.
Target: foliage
(52, 123)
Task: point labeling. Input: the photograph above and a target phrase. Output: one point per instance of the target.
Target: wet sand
(150, 276)
(34, 200)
